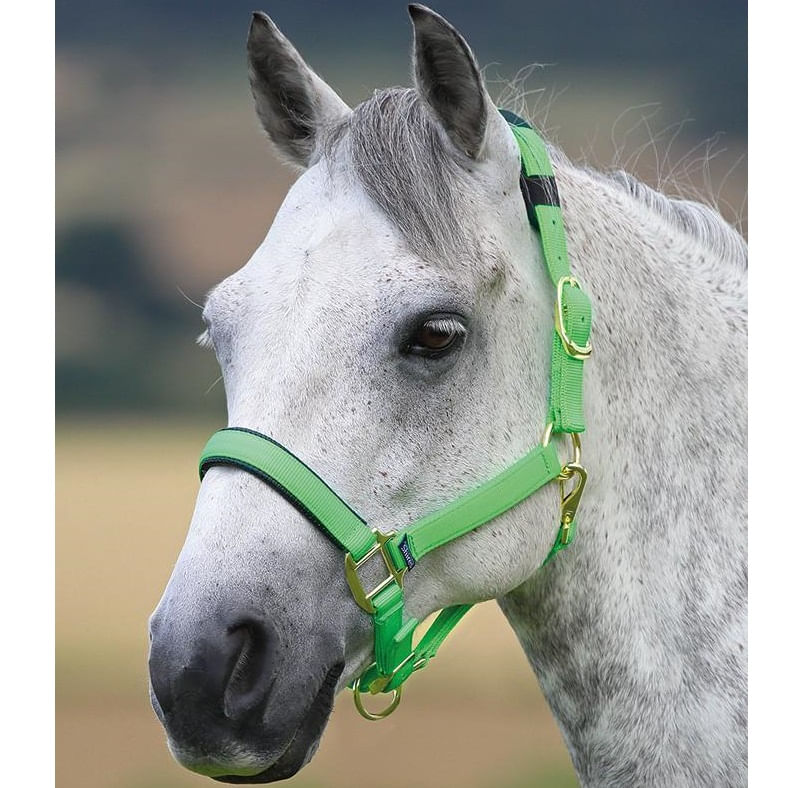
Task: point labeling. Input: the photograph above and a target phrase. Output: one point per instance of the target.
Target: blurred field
(124, 497)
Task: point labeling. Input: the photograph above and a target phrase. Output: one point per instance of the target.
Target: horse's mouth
(304, 741)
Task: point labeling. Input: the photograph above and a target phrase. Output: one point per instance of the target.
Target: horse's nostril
(248, 657)
(251, 668)
(213, 670)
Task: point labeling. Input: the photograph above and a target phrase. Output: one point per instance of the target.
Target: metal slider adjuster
(572, 348)
(364, 599)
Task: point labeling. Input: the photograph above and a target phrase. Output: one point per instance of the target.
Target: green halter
(396, 658)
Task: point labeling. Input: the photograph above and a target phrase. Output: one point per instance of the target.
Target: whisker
(212, 386)
(191, 301)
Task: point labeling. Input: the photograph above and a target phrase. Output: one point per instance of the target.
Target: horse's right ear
(292, 102)
(449, 80)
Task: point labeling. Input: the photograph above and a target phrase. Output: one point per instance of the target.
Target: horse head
(393, 329)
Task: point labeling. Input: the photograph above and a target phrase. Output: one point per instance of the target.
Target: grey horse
(393, 329)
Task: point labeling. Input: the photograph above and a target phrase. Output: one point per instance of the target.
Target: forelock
(406, 166)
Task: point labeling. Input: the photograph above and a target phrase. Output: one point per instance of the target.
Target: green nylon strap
(395, 657)
(392, 638)
(566, 376)
(264, 457)
(402, 660)
(482, 504)
(270, 461)
(566, 372)
(438, 631)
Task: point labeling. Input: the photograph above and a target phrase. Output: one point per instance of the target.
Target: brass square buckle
(364, 599)
(572, 348)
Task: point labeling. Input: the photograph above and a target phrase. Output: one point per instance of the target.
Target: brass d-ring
(547, 436)
(371, 715)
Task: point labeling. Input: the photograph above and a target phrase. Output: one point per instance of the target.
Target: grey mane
(409, 169)
(695, 219)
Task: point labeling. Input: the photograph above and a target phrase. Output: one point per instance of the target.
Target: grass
(125, 492)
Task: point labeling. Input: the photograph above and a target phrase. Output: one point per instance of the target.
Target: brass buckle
(572, 348)
(364, 599)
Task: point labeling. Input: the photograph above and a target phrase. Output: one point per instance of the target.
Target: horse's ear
(449, 80)
(292, 102)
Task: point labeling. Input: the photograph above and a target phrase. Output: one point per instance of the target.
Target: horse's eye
(436, 336)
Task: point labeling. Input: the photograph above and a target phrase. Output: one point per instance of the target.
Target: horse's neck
(637, 632)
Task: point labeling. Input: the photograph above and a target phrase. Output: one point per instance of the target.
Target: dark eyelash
(446, 325)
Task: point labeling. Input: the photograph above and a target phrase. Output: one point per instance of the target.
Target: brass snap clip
(570, 501)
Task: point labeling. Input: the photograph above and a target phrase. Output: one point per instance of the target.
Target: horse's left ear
(449, 80)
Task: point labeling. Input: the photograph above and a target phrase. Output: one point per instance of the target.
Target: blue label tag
(404, 548)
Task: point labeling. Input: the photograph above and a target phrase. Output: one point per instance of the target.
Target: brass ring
(371, 715)
(576, 446)
(547, 434)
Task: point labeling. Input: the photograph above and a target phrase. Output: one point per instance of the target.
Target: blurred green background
(165, 186)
